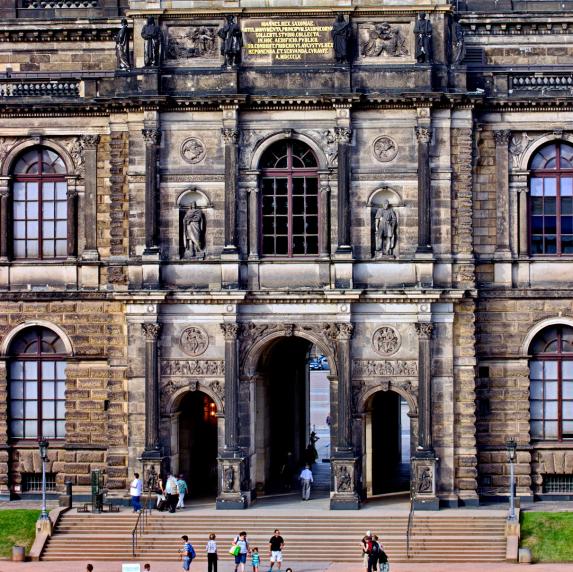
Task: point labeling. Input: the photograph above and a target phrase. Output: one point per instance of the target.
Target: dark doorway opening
(198, 444)
(390, 443)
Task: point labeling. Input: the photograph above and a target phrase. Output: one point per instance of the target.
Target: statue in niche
(194, 232)
(383, 39)
(122, 46)
(386, 223)
(151, 33)
(423, 32)
(459, 52)
(232, 42)
(341, 32)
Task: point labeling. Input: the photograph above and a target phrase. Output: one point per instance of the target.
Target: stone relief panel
(194, 341)
(193, 150)
(384, 149)
(191, 42)
(384, 41)
(386, 341)
(368, 367)
(178, 367)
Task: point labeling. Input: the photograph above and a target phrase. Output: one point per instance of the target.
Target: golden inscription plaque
(286, 41)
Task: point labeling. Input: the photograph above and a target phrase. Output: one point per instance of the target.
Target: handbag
(235, 550)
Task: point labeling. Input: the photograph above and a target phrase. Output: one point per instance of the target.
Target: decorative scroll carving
(193, 150)
(230, 136)
(385, 149)
(75, 148)
(423, 134)
(518, 143)
(151, 136)
(194, 42)
(424, 329)
(501, 136)
(6, 143)
(383, 40)
(230, 330)
(365, 368)
(179, 367)
(151, 331)
(343, 135)
(386, 341)
(194, 341)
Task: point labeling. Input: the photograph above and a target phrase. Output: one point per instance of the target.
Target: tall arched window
(289, 202)
(40, 208)
(551, 200)
(36, 385)
(551, 383)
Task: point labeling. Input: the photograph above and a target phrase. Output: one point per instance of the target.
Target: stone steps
(436, 538)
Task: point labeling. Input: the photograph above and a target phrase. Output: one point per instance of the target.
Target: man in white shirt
(136, 490)
(171, 492)
(306, 479)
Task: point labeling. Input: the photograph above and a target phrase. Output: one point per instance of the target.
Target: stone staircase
(448, 536)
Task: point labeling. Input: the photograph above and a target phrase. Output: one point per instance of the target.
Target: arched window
(39, 206)
(36, 385)
(289, 202)
(551, 200)
(551, 383)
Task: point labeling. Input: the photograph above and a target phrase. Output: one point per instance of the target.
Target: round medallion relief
(194, 341)
(386, 341)
(193, 150)
(385, 149)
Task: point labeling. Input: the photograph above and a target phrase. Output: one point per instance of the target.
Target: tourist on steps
(171, 492)
(306, 480)
(136, 490)
(276, 544)
(241, 558)
(212, 553)
(187, 552)
(182, 489)
(366, 545)
(255, 559)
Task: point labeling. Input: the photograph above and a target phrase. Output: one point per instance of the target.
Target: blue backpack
(191, 552)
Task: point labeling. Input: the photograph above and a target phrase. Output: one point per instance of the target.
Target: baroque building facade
(195, 200)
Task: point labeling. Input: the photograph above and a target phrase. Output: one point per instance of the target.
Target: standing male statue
(194, 230)
(122, 46)
(385, 229)
(423, 32)
(151, 33)
(341, 32)
(459, 44)
(232, 42)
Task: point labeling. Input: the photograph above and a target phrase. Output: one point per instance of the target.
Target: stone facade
(443, 318)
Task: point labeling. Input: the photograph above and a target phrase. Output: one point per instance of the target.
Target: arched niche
(192, 198)
(375, 202)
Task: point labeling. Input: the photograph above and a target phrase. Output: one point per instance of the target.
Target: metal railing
(140, 524)
(410, 522)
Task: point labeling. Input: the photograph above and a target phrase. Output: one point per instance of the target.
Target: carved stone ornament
(194, 341)
(423, 134)
(424, 329)
(517, 146)
(501, 136)
(424, 480)
(330, 144)
(151, 331)
(184, 368)
(218, 389)
(230, 330)
(385, 149)
(343, 479)
(230, 136)
(193, 150)
(382, 39)
(193, 42)
(90, 141)
(380, 368)
(386, 341)
(75, 148)
(343, 135)
(6, 143)
(228, 479)
(344, 331)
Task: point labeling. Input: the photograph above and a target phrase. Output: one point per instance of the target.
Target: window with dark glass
(289, 200)
(36, 385)
(551, 384)
(39, 205)
(551, 200)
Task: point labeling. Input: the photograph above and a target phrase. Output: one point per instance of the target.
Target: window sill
(33, 444)
(552, 444)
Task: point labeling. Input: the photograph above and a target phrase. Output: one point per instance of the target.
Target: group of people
(373, 554)
(170, 496)
(240, 550)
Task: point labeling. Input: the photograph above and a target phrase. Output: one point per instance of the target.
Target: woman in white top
(241, 558)
(211, 554)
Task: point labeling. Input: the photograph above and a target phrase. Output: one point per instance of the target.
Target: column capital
(151, 136)
(343, 135)
(424, 330)
(4, 192)
(230, 136)
(230, 330)
(90, 141)
(423, 134)
(502, 137)
(71, 193)
(344, 331)
(151, 331)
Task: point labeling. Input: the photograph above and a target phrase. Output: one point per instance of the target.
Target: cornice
(59, 32)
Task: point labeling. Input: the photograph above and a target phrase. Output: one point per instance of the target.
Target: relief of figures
(384, 40)
(198, 42)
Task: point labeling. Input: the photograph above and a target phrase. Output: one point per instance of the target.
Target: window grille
(32, 482)
(558, 484)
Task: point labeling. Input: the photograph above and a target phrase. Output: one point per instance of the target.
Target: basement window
(32, 482)
(558, 483)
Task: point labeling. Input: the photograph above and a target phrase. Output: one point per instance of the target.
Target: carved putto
(385, 149)
(197, 42)
(383, 40)
(194, 341)
(193, 150)
(386, 341)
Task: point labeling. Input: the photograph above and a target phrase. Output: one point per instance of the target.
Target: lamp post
(511, 447)
(43, 444)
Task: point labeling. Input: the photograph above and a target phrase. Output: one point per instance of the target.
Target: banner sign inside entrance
(131, 567)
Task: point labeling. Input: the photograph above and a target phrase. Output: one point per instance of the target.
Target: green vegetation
(548, 535)
(17, 527)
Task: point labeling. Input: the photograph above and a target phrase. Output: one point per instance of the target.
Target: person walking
(306, 480)
(182, 489)
(373, 554)
(276, 544)
(255, 559)
(212, 553)
(171, 492)
(136, 490)
(366, 545)
(241, 558)
(188, 552)
(383, 560)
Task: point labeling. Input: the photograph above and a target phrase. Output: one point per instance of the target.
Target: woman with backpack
(241, 558)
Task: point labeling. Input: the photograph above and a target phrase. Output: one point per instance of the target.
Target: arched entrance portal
(291, 400)
(197, 415)
(388, 444)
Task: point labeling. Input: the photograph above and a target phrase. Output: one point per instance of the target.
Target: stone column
(424, 137)
(502, 189)
(4, 218)
(152, 138)
(89, 144)
(344, 401)
(231, 145)
(324, 215)
(72, 195)
(151, 333)
(344, 137)
(253, 218)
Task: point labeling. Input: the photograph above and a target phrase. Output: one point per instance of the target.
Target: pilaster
(502, 254)
(90, 144)
(424, 138)
(151, 332)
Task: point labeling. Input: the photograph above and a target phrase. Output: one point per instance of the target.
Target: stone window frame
(6, 195)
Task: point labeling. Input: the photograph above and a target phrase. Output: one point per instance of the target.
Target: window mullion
(289, 207)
